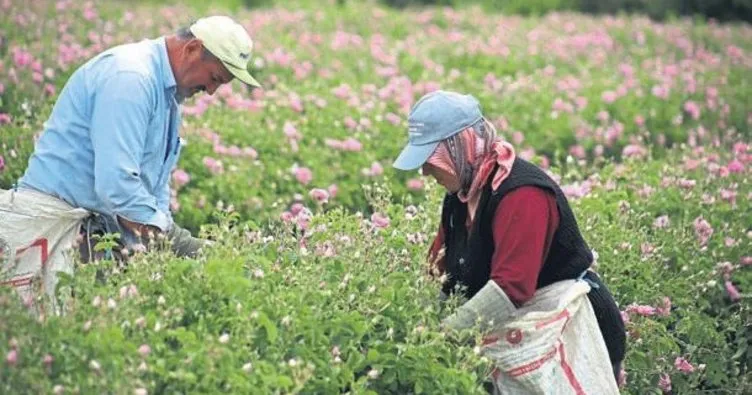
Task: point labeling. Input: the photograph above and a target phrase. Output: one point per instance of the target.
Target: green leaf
(284, 381)
(269, 327)
(372, 355)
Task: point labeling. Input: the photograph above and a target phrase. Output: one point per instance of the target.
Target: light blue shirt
(112, 139)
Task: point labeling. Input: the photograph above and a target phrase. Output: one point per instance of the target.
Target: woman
(506, 227)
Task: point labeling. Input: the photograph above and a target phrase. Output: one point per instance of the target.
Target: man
(112, 140)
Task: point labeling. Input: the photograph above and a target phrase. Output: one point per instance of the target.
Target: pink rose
(319, 195)
(144, 350)
(661, 222)
(735, 166)
(664, 383)
(332, 189)
(12, 357)
(214, 166)
(693, 109)
(379, 220)
(303, 175)
(634, 151)
(296, 208)
(250, 152)
(376, 169)
(291, 131)
(350, 123)
(286, 216)
(643, 310)
(609, 97)
(665, 308)
(352, 144)
(703, 230)
(415, 184)
(180, 177)
(393, 118)
(733, 293)
(683, 365)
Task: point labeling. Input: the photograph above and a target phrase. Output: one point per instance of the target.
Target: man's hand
(183, 244)
(140, 230)
(181, 241)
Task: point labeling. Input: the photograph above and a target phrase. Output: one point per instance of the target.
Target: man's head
(210, 52)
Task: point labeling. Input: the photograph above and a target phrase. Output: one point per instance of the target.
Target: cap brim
(242, 74)
(414, 156)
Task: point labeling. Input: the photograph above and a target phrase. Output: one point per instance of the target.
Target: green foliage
(350, 307)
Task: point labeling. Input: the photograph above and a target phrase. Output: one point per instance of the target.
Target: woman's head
(453, 162)
(447, 135)
(440, 166)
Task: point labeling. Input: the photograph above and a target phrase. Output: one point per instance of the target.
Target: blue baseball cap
(435, 117)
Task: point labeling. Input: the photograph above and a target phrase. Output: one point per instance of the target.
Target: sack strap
(591, 282)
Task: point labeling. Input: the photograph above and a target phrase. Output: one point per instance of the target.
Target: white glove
(490, 308)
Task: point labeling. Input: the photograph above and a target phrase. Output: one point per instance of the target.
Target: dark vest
(469, 252)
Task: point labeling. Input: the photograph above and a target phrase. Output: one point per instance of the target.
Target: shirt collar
(167, 76)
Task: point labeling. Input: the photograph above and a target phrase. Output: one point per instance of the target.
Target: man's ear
(193, 48)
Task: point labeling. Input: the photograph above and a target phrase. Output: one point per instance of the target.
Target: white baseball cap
(229, 42)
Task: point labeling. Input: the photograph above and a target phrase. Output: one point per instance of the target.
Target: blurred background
(721, 10)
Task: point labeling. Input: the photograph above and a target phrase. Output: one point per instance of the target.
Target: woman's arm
(436, 254)
(523, 229)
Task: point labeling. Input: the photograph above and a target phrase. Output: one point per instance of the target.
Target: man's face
(199, 72)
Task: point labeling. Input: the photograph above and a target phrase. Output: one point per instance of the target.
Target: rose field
(318, 281)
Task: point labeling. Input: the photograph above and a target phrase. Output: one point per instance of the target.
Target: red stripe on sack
(44, 254)
(495, 374)
(42, 244)
(19, 282)
(532, 366)
(564, 314)
(569, 373)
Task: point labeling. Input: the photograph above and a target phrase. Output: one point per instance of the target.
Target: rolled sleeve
(163, 202)
(119, 126)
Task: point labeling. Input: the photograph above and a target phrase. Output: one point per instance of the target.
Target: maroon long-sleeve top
(523, 228)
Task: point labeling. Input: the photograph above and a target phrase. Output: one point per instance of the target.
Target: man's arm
(120, 120)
